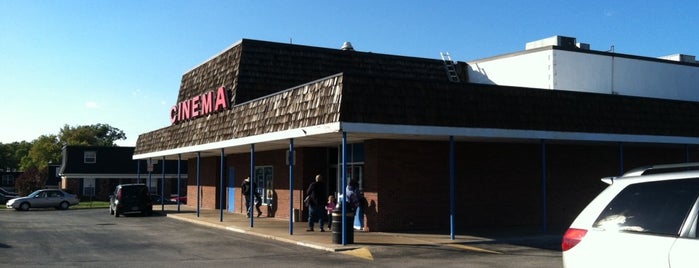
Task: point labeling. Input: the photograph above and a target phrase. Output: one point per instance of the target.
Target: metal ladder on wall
(449, 67)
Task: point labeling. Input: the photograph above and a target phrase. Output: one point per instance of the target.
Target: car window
(653, 207)
(135, 191)
(55, 194)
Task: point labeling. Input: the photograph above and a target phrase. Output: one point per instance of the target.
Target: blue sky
(81, 62)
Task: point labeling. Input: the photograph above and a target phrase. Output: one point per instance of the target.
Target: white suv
(645, 218)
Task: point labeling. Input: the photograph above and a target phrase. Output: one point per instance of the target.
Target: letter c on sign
(173, 114)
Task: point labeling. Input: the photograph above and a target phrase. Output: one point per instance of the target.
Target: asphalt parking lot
(90, 238)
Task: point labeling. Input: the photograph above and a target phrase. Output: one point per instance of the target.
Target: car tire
(24, 206)
(63, 205)
(116, 213)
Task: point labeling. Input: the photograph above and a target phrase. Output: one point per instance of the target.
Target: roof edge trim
(513, 133)
(273, 136)
(155, 175)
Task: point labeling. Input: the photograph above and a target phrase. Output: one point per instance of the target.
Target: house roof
(111, 162)
(271, 93)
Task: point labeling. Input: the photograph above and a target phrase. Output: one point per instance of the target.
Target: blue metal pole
(162, 187)
(544, 178)
(198, 182)
(138, 171)
(344, 188)
(221, 203)
(150, 175)
(252, 184)
(452, 195)
(179, 179)
(291, 186)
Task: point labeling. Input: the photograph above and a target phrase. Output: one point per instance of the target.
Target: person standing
(316, 205)
(246, 188)
(329, 207)
(352, 190)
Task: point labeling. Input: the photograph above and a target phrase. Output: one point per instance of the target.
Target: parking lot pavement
(280, 230)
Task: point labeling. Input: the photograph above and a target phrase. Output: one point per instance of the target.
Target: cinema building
(430, 149)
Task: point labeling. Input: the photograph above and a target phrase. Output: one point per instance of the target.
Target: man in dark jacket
(316, 203)
(246, 187)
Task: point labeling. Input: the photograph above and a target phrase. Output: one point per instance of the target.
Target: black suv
(130, 198)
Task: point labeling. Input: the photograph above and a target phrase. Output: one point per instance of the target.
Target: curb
(267, 236)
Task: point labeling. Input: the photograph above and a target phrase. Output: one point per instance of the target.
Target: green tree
(45, 149)
(91, 135)
(11, 154)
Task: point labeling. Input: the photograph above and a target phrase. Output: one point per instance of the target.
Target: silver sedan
(47, 198)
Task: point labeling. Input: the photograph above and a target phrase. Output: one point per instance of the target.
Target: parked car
(157, 200)
(46, 198)
(7, 193)
(645, 218)
(182, 199)
(129, 198)
(6, 196)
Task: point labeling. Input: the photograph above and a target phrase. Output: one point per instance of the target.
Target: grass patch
(92, 204)
(82, 205)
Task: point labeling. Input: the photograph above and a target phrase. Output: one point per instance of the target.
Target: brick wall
(406, 183)
(497, 184)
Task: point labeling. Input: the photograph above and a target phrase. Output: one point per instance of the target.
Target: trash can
(337, 226)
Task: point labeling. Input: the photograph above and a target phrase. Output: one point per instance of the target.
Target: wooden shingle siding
(315, 103)
(263, 80)
(387, 101)
(268, 67)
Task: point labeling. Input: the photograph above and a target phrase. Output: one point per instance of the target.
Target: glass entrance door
(264, 181)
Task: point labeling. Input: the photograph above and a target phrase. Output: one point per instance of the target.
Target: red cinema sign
(200, 105)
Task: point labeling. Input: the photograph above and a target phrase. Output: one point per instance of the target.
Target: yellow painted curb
(363, 253)
(470, 248)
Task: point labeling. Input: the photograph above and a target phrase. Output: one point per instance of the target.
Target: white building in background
(561, 63)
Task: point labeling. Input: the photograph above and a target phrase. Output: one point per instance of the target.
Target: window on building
(153, 185)
(354, 155)
(264, 181)
(8, 180)
(89, 187)
(90, 157)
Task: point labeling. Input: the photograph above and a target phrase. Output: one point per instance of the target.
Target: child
(329, 207)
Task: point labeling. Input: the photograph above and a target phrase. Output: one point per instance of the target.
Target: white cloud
(91, 105)
(609, 13)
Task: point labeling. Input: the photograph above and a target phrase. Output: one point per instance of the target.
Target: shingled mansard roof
(278, 90)
(110, 162)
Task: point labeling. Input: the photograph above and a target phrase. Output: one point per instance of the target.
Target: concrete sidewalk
(278, 229)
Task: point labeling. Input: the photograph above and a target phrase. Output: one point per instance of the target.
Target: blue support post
(162, 187)
(291, 186)
(544, 178)
(344, 188)
(150, 174)
(221, 203)
(138, 171)
(251, 200)
(198, 182)
(452, 195)
(179, 179)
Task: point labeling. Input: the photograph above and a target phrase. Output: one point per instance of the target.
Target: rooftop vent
(347, 46)
(681, 58)
(556, 40)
